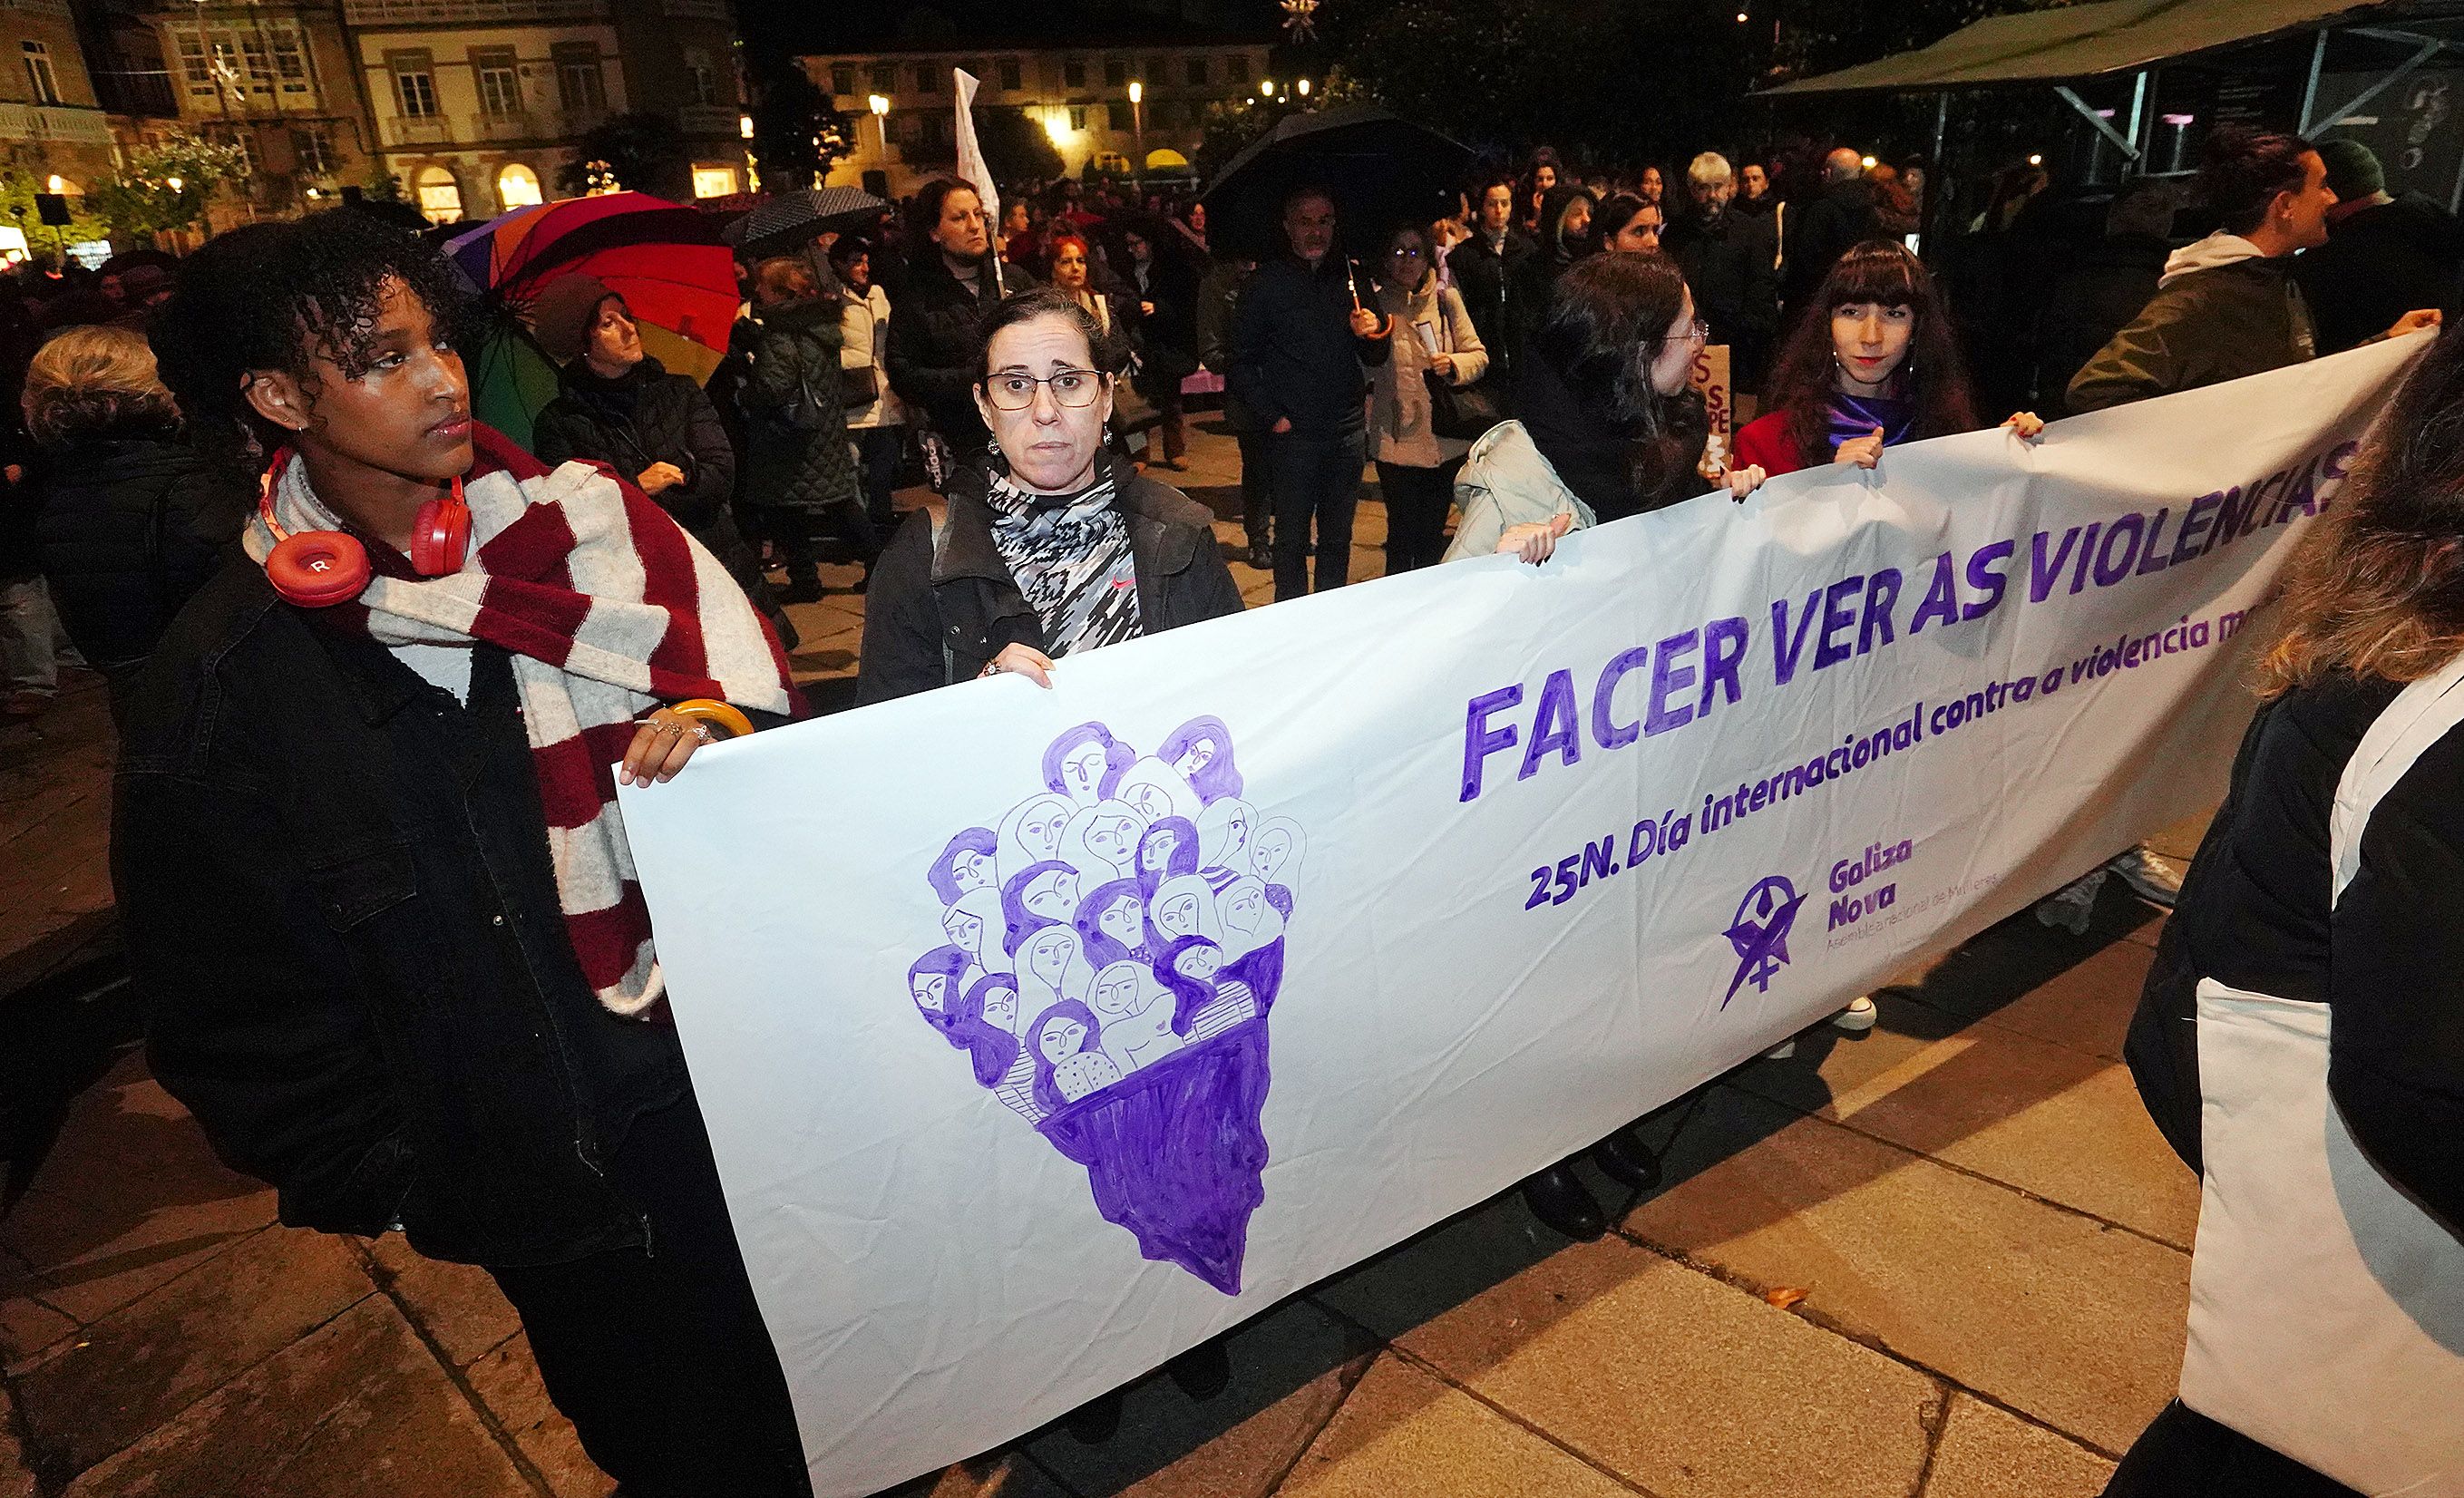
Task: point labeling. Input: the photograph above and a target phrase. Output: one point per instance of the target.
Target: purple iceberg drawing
(1108, 956)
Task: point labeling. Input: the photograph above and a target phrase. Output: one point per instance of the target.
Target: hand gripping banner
(1043, 1034)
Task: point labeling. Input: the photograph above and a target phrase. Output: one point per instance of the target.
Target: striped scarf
(1071, 557)
(610, 610)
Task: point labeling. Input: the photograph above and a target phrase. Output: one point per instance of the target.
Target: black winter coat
(2379, 263)
(645, 416)
(339, 907)
(939, 610)
(1820, 232)
(2388, 958)
(1730, 266)
(933, 323)
(1495, 293)
(126, 529)
(796, 354)
(1294, 355)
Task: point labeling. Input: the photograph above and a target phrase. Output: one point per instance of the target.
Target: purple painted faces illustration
(1108, 956)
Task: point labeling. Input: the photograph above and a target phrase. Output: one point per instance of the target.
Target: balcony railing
(468, 12)
(61, 122)
(710, 118)
(695, 10)
(412, 130)
(537, 124)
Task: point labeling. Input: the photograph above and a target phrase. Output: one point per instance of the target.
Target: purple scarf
(1852, 416)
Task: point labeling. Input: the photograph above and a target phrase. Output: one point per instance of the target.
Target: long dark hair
(2378, 589)
(1604, 327)
(1932, 378)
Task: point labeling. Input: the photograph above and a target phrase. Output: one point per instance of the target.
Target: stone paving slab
(506, 1382)
(2056, 1122)
(456, 1304)
(1685, 1387)
(355, 1408)
(1291, 1368)
(1403, 1431)
(148, 1360)
(95, 1260)
(1990, 1453)
(2075, 1323)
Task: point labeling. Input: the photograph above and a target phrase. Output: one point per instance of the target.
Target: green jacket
(2203, 327)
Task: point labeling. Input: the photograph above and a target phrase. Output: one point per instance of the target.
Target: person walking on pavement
(1842, 217)
(878, 426)
(1301, 349)
(2229, 305)
(2384, 254)
(1435, 345)
(1489, 271)
(799, 468)
(1155, 270)
(1218, 310)
(954, 279)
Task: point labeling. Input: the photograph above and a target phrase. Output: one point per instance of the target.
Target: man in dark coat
(1301, 350)
(1728, 259)
(1489, 271)
(954, 279)
(1841, 218)
(2384, 254)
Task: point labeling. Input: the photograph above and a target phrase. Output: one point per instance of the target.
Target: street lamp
(1302, 86)
(176, 185)
(880, 108)
(1138, 123)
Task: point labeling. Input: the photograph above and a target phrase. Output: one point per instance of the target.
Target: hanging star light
(1299, 18)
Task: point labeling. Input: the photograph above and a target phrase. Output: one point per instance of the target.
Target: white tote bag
(2326, 1306)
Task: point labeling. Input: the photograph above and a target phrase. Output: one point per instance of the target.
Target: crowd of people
(378, 671)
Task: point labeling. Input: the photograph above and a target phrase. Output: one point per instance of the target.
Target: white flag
(971, 162)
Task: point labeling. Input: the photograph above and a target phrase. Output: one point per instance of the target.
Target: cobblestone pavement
(1948, 1259)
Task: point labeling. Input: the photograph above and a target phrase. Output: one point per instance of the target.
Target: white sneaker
(2071, 907)
(1781, 1051)
(2153, 878)
(1859, 1017)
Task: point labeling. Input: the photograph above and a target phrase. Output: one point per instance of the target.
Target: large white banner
(1045, 1034)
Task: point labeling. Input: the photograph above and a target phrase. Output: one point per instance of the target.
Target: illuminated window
(517, 187)
(440, 196)
(714, 182)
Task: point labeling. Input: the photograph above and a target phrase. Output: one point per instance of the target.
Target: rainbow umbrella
(512, 379)
(665, 259)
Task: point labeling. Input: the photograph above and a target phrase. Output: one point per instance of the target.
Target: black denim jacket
(338, 904)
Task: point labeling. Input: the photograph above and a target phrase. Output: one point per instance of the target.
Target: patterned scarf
(610, 609)
(1071, 556)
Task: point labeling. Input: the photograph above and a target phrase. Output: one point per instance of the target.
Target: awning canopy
(2082, 41)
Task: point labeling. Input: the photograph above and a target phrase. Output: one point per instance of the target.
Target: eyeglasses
(1696, 332)
(1404, 253)
(1074, 388)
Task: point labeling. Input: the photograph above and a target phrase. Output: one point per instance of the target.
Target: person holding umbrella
(799, 468)
(953, 282)
(1301, 347)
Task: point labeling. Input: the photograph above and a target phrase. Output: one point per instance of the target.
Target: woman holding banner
(1607, 426)
(2299, 1042)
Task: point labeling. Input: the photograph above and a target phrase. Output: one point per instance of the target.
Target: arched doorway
(440, 196)
(517, 187)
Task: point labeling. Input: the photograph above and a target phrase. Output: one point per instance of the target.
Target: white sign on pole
(1043, 1034)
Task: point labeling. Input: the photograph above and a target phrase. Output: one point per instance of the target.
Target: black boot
(1094, 1421)
(1262, 553)
(1565, 1204)
(1624, 1158)
(1204, 1371)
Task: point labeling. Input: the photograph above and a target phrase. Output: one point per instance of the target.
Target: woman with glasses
(1880, 367)
(1606, 424)
(1435, 348)
(1050, 546)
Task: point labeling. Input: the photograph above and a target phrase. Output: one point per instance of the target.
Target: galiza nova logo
(1851, 874)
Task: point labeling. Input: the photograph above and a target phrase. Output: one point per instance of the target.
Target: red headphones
(318, 569)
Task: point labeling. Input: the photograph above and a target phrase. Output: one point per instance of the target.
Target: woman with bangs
(1883, 368)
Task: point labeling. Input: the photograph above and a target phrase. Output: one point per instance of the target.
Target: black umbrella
(803, 214)
(1383, 172)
